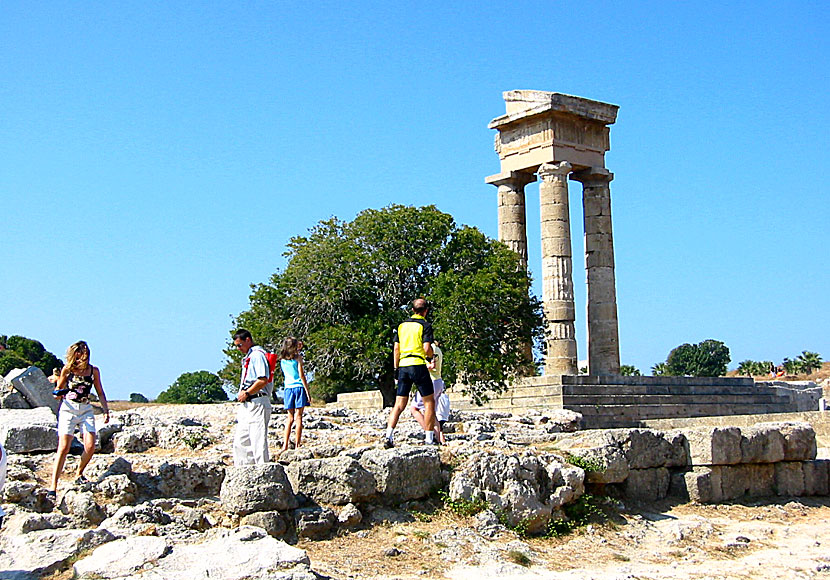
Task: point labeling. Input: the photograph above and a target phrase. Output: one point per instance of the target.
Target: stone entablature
(541, 127)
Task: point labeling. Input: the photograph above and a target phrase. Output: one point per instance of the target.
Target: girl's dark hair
(290, 348)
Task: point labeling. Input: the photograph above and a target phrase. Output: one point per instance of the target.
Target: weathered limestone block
(404, 473)
(703, 484)
(257, 488)
(816, 477)
(82, 508)
(118, 489)
(610, 463)
(10, 398)
(647, 484)
(191, 477)
(799, 439)
(349, 516)
(25, 522)
(271, 522)
(761, 444)
(789, 478)
(715, 446)
(135, 439)
(761, 479)
(28, 494)
(314, 523)
(43, 552)
(336, 480)
(136, 520)
(642, 448)
(120, 558)
(35, 388)
(28, 430)
(242, 553)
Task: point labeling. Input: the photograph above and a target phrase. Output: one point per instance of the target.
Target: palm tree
(808, 361)
(659, 369)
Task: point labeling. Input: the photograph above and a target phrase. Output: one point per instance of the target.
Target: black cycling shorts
(417, 375)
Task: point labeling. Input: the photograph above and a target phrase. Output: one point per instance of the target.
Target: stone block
(272, 522)
(647, 484)
(789, 478)
(257, 488)
(10, 398)
(404, 473)
(761, 479)
(336, 480)
(799, 439)
(816, 477)
(703, 484)
(28, 430)
(35, 387)
(714, 446)
(761, 444)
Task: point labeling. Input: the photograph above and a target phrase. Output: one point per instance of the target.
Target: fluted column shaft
(557, 270)
(512, 213)
(603, 330)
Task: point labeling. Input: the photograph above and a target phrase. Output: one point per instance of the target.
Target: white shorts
(442, 401)
(73, 414)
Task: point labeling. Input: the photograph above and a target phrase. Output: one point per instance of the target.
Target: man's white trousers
(250, 442)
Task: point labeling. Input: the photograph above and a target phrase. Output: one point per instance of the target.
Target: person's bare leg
(64, 442)
(416, 413)
(299, 425)
(429, 412)
(289, 421)
(89, 450)
(395, 413)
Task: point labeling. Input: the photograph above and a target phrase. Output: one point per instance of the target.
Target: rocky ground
(165, 503)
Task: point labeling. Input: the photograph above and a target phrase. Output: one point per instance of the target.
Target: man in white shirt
(250, 442)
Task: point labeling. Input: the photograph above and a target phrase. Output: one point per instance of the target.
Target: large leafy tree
(705, 359)
(348, 284)
(197, 387)
(22, 352)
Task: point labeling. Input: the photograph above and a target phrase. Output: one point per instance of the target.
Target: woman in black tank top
(73, 386)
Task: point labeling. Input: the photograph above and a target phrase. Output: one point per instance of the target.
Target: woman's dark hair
(290, 348)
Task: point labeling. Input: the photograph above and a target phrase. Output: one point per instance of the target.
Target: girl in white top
(76, 380)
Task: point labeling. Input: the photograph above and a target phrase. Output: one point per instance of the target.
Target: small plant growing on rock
(577, 514)
(520, 558)
(463, 507)
(196, 439)
(583, 463)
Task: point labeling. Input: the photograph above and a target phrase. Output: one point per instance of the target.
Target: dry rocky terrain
(164, 502)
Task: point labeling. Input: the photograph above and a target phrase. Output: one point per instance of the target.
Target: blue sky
(155, 157)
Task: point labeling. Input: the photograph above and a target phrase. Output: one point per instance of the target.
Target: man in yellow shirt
(413, 348)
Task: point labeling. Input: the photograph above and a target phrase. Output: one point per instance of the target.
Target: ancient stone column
(512, 215)
(603, 332)
(557, 270)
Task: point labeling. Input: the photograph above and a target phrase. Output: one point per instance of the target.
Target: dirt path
(761, 542)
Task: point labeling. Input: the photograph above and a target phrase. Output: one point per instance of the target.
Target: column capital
(550, 171)
(513, 178)
(593, 176)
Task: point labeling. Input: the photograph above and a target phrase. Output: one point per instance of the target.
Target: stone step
(611, 399)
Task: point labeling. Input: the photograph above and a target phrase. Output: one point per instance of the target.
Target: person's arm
(96, 380)
(428, 349)
(301, 369)
(60, 382)
(396, 359)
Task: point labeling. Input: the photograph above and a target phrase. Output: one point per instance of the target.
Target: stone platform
(623, 401)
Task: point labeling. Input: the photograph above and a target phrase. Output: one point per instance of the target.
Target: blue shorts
(295, 398)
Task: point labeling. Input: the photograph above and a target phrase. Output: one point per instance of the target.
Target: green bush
(29, 352)
(10, 360)
(196, 387)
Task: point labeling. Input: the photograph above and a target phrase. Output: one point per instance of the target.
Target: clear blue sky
(155, 157)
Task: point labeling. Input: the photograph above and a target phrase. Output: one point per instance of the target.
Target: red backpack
(273, 359)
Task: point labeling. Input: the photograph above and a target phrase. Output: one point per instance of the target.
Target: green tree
(10, 360)
(630, 371)
(196, 387)
(29, 352)
(791, 367)
(709, 358)
(138, 398)
(808, 361)
(347, 284)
